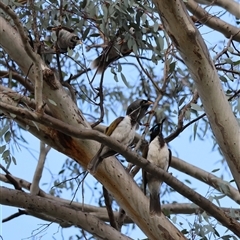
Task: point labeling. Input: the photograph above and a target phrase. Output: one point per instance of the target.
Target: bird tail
(95, 161)
(99, 63)
(155, 206)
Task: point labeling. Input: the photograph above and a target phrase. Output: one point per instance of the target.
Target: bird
(121, 129)
(114, 50)
(159, 154)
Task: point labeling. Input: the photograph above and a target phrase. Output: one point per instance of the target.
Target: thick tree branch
(21, 99)
(194, 52)
(229, 5)
(206, 177)
(78, 218)
(213, 22)
(100, 212)
(38, 63)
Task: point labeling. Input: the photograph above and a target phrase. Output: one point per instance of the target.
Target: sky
(196, 152)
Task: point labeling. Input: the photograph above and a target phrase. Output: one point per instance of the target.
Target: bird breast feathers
(124, 132)
(157, 155)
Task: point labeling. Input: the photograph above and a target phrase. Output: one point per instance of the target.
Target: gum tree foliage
(48, 89)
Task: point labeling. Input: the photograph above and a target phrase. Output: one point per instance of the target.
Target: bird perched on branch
(115, 49)
(158, 154)
(121, 129)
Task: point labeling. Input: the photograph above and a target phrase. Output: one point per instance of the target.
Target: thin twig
(109, 208)
(15, 215)
(181, 129)
(100, 94)
(11, 179)
(39, 169)
(59, 67)
(34, 23)
(224, 50)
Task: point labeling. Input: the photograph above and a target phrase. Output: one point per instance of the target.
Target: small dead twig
(15, 215)
(109, 208)
(11, 179)
(100, 94)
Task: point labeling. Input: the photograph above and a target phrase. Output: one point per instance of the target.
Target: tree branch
(100, 212)
(78, 218)
(39, 169)
(213, 22)
(206, 177)
(229, 5)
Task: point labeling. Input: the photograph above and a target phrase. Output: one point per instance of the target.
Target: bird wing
(109, 130)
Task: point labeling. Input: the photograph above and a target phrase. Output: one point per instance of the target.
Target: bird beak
(148, 103)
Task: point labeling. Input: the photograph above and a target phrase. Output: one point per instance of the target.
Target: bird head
(156, 130)
(138, 109)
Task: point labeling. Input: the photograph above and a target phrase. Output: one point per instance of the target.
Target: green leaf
(195, 130)
(7, 136)
(5, 128)
(229, 60)
(144, 18)
(174, 219)
(85, 33)
(5, 154)
(2, 148)
(184, 231)
(215, 170)
(119, 67)
(181, 101)
(13, 115)
(230, 49)
(115, 78)
(236, 63)
(160, 42)
(70, 52)
(124, 80)
(196, 107)
(187, 181)
(155, 26)
(14, 160)
(223, 79)
(61, 172)
(172, 67)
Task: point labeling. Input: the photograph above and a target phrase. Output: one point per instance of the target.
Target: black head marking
(155, 131)
(137, 109)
